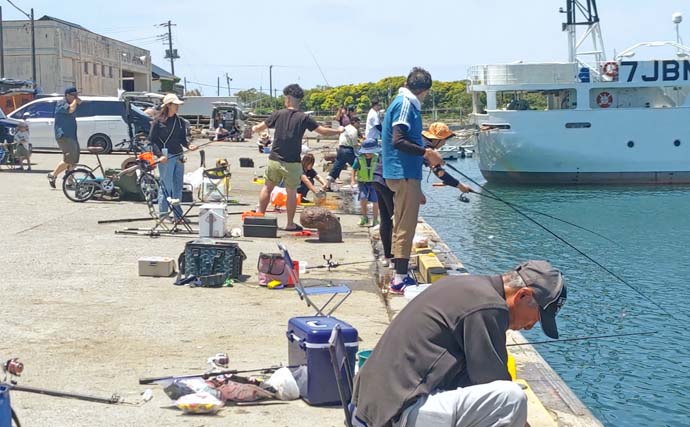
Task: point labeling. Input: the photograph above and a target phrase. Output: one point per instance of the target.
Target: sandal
(297, 228)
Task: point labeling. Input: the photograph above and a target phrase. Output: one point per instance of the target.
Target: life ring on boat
(610, 69)
(604, 100)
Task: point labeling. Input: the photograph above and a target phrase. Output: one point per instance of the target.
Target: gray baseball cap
(548, 289)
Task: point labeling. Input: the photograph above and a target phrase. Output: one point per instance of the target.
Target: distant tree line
(445, 98)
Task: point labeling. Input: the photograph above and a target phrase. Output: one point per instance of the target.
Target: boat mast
(583, 12)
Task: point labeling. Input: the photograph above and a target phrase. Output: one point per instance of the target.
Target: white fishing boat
(589, 120)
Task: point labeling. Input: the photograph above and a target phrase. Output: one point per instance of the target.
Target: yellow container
(512, 369)
(431, 268)
(424, 250)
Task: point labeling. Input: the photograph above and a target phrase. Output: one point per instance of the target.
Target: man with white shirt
(345, 155)
(373, 126)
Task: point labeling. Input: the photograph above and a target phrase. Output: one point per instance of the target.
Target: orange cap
(438, 130)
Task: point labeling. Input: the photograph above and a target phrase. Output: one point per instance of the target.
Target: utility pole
(33, 50)
(270, 81)
(218, 91)
(228, 79)
(33, 42)
(2, 49)
(185, 86)
(172, 54)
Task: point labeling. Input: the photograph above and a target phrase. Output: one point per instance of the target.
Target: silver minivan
(101, 121)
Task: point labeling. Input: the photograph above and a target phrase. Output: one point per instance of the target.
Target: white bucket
(413, 291)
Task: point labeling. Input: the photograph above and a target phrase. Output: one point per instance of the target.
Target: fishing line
(549, 216)
(592, 337)
(537, 223)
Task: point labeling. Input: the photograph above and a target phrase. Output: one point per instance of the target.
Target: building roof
(50, 18)
(161, 73)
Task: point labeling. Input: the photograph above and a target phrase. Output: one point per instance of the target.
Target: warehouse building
(68, 54)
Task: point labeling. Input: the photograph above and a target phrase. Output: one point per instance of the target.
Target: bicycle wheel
(79, 185)
(148, 185)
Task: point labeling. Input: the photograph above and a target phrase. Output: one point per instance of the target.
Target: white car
(101, 121)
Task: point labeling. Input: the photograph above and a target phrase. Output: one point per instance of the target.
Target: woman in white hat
(168, 139)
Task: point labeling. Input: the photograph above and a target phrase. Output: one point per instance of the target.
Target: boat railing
(519, 74)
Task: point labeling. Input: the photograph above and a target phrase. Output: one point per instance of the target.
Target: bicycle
(136, 145)
(80, 184)
(7, 156)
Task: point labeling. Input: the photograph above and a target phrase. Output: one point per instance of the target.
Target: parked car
(8, 127)
(101, 121)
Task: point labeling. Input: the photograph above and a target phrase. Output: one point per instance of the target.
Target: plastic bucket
(362, 357)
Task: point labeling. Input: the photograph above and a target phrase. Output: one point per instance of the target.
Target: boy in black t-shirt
(284, 161)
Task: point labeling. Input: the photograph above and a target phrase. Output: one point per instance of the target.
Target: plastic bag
(284, 384)
(420, 241)
(199, 403)
(196, 177)
(177, 388)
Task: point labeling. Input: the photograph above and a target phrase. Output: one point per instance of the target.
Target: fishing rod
(207, 375)
(537, 223)
(592, 337)
(115, 399)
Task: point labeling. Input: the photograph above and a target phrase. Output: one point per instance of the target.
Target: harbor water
(627, 381)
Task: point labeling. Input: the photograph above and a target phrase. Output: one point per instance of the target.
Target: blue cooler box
(308, 346)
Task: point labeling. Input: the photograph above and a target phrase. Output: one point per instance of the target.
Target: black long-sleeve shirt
(451, 335)
(400, 142)
(171, 134)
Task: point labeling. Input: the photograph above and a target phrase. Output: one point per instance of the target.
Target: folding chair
(341, 369)
(216, 185)
(305, 294)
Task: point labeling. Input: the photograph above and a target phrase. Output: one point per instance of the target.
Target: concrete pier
(82, 320)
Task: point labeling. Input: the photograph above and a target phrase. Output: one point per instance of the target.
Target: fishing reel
(463, 198)
(219, 361)
(12, 368)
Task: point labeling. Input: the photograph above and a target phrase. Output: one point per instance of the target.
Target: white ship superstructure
(599, 121)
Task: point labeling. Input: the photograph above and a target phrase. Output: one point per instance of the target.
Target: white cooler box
(212, 220)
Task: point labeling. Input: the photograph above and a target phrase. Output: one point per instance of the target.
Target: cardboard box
(156, 266)
(212, 220)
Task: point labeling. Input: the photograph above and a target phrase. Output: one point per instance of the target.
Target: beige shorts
(289, 173)
(70, 150)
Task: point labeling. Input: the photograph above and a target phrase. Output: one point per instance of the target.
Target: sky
(334, 42)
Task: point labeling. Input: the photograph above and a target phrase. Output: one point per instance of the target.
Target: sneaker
(305, 200)
(51, 180)
(363, 221)
(386, 262)
(399, 288)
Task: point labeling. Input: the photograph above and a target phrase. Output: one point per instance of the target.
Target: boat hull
(625, 146)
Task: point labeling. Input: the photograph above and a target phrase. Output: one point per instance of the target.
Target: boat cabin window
(553, 99)
(639, 97)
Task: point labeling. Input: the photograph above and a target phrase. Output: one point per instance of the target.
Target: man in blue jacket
(403, 156)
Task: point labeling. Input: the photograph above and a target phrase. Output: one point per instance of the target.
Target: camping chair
(305, 294)
(341, 369)
(216, 186)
